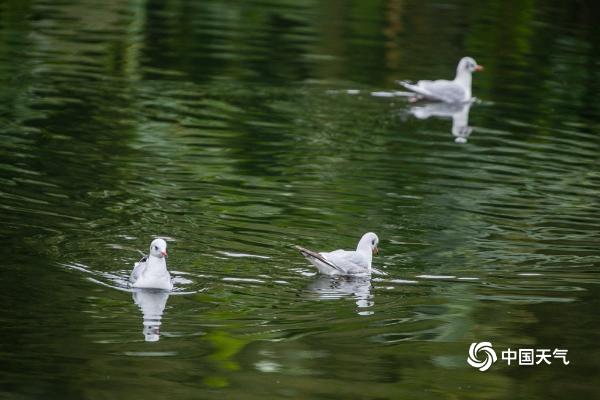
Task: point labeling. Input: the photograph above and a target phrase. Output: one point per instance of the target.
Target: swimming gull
(344, 262)
(151, 271)
(455, 91)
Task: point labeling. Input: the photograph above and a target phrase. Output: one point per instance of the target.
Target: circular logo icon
(474, 352)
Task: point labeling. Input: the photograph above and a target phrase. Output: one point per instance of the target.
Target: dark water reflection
(237, 129)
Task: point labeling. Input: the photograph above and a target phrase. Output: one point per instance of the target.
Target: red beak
(479, 68)
(164, 253)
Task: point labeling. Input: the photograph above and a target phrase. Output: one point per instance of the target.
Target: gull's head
(468, 64)
(158, 248)
(369, 240)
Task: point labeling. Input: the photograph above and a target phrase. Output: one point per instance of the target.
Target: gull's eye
(156, 248)
(373, 242)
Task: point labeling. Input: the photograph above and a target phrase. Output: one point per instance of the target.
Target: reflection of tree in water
(75, 114)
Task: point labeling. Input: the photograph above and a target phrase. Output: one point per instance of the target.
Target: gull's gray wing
(415, 88)
(138, 269)
(350, 262)
(439, 90)
(443, 90)
(313, 256)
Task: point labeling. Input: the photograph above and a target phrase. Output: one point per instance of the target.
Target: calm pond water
(239, 129)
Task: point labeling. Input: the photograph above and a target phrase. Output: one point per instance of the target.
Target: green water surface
(237, 129)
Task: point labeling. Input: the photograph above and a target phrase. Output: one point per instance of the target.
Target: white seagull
(151, 271)
(344, 262)
(455, 91)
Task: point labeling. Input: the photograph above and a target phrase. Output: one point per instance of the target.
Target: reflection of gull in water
(152, 303)
(331, 288)
(457, 111)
